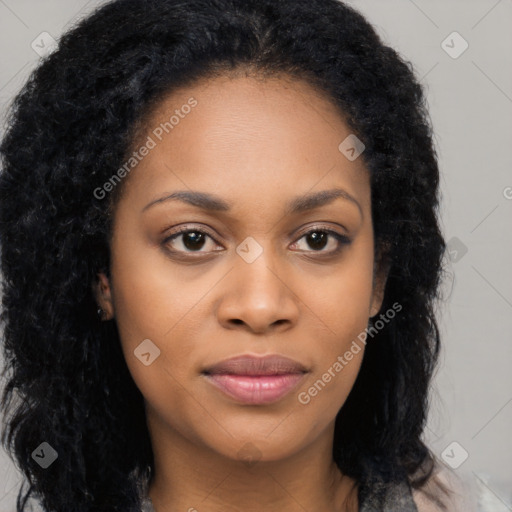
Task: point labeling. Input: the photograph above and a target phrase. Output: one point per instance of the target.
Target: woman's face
(255, 282)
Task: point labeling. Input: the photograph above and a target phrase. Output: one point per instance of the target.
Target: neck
(193, 477)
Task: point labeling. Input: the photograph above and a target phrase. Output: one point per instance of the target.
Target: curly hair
(69, 130)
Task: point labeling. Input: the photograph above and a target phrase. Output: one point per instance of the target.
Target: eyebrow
(299, 204)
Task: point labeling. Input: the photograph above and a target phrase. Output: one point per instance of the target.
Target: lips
(256, 365)
(256, 380)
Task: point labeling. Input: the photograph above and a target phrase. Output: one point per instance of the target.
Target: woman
(221, 256)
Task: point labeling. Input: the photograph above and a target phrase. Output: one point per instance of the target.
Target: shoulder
(444, 491)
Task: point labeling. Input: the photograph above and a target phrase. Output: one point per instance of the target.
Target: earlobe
(103, 295)
(381, 271)
(377, 298)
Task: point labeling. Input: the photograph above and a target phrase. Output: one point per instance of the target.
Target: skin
(257, 144)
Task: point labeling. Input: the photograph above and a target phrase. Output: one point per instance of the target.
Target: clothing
(147, 506)
(373, 496)
(376, 496)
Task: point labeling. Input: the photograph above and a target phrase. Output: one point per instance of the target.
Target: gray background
(470, 100)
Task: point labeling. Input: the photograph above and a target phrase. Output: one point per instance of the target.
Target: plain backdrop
(470, 100)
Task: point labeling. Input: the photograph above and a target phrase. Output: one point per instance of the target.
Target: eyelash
(341, 239)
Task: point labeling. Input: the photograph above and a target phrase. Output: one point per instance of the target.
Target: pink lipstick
(256, 380)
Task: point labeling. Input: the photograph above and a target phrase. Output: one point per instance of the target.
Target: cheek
(341, 308)
(338, 353)
(147, 311)
(153, 303)
(342, 296)
(151, 295)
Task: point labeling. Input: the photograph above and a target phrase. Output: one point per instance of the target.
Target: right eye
(192, 240)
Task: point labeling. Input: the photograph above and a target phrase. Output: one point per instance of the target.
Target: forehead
(247, 137)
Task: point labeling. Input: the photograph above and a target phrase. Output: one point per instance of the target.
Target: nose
(258, 297)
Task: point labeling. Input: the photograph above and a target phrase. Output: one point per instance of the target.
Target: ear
(380, 277)
(103, 294)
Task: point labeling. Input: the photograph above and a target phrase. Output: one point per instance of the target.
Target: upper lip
(247, 364)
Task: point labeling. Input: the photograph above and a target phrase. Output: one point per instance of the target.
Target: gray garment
(376, 496)
(373, 495)
(147, 506)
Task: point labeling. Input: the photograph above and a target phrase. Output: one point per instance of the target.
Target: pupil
(319, 239)
(195, 237)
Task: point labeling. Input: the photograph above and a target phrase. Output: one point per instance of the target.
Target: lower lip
(262, 389)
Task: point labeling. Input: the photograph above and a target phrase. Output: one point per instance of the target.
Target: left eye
(318, 239)
(193, 240)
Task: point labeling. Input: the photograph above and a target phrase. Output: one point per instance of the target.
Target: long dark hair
(69, 130)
